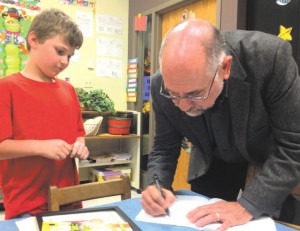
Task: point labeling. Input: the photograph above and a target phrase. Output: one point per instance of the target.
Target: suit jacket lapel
(239, 100)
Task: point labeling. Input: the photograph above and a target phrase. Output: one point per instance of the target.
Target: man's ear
(226, 66)
(32, 39)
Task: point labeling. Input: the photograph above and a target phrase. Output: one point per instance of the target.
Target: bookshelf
(105, 143)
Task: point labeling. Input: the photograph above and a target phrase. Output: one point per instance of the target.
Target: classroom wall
(136, 7)
(232, 15)
(79, 72)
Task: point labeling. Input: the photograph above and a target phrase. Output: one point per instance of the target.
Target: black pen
(155, 178)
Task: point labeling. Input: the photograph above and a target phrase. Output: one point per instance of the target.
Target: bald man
(235, 96)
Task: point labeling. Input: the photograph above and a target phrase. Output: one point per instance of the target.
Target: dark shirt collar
(223, 95)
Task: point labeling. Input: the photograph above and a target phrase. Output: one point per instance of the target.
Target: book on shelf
(101, 174)
(121, 156)
(107, 157)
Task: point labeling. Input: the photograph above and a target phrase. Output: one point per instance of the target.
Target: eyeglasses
(164, 92)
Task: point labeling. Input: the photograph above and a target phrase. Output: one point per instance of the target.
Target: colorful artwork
(285, 33)
(28, 4)
(84, 3)
(14, 26)
(92, 225)
(91, 219)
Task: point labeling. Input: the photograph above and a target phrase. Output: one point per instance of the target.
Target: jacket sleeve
(167, 140)
(281, 169)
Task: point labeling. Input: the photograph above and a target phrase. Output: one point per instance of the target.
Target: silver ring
(218, 216)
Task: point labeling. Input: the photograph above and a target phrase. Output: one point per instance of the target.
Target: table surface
(131, 208)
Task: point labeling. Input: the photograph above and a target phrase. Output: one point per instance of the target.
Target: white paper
(107, 24)
(26, 224)
(110, 47)
(85, 23)
(109, 67)
(185, 204)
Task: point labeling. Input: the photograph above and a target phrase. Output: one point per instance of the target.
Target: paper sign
(133, 89)
(140, 23)
(135, 60)
(131, 94)
(133, 80)
(131, 99)
(130, 85)
(132, 70)
(132, 66)
(132, 75)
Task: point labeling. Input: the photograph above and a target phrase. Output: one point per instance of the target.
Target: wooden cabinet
(106, 143)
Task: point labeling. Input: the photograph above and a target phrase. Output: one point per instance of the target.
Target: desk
(132, 207)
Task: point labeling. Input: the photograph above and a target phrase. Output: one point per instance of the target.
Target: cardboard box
(100, 174)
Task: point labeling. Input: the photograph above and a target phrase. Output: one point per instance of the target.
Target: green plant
(96, 100)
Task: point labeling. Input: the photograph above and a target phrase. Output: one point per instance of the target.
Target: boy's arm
(52, 149)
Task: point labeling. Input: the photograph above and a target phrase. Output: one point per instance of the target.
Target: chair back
(82, 192)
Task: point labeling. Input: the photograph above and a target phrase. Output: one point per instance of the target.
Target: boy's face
(52, 55)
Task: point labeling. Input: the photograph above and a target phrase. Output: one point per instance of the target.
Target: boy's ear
(32, 39)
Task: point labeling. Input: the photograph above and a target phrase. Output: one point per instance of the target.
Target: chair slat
(66, 195)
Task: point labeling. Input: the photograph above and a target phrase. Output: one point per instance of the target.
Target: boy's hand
(55, 149)
(79, 150)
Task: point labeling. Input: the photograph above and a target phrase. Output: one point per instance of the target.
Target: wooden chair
(252, 170)
(82, 192)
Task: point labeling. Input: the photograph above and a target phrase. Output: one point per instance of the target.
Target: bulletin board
(15, 20)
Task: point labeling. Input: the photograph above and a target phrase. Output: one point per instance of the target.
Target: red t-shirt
(38, 111)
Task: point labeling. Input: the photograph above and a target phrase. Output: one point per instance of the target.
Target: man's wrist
(250, 208)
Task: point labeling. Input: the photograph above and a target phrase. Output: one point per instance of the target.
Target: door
(206, 9)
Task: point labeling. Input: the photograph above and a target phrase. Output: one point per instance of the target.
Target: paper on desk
(26, 224)
(185, 204)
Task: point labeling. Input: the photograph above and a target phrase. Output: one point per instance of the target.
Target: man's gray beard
(199, 111)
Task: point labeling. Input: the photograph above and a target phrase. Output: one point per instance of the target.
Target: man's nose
(184, 104)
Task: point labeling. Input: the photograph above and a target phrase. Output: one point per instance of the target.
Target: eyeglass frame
(197, 98)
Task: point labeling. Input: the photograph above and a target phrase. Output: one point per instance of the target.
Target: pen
(155, 178)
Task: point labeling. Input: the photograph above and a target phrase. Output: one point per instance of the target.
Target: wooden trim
(297, 227)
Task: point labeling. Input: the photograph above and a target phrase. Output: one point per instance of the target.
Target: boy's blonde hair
(52, 22)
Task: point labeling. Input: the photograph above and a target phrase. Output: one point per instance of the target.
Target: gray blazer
(264, 99)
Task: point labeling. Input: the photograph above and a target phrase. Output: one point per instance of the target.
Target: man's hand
(228, 213)
(153, 203)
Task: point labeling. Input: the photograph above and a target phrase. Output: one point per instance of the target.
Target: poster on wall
(109, 67)
(15, 20)
(85, 23)
(107, 24)
(83, 3)
(111, 47)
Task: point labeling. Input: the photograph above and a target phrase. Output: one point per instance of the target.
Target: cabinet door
(269, 15)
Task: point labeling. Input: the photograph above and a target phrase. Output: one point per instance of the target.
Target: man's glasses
(164, 92)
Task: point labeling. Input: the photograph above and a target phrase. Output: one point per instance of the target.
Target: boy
(41, 129)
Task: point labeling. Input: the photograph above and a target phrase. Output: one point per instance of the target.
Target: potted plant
(95, 100)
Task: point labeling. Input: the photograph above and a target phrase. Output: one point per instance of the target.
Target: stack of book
(100, 174)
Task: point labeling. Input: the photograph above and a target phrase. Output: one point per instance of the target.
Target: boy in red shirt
(41, 129)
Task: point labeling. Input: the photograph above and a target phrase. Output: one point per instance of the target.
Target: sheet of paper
(184, 204)
(26, 224)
